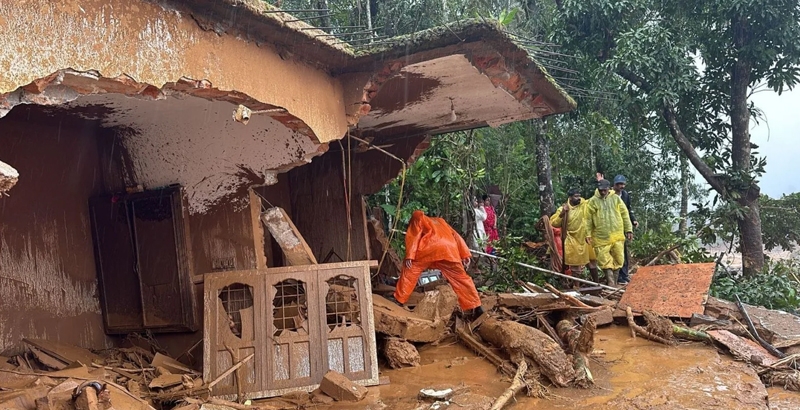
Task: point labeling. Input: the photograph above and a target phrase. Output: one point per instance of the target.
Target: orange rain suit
(432, 244)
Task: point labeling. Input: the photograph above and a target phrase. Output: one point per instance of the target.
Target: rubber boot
(610, 277)
(594, 274)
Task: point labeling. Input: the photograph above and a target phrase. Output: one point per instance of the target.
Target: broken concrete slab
(400, 353)
(437, 304)
(743, 348)
(774, 326)
(394, 320)
(341, 388)
(668, 290)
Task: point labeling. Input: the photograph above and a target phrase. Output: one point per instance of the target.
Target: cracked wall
(154, 45)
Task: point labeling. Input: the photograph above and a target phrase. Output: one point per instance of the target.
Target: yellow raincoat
(607, 221)
(578, 253)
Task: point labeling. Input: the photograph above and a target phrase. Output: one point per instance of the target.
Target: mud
(629, 374)
(400, 353)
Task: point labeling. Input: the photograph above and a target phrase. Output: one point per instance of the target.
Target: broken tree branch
(690, 334)
(516, 385)
(770, 348)
(642, 331)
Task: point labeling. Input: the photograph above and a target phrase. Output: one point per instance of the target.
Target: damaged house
(149, 137)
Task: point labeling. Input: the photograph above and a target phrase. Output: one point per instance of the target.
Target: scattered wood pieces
(46, 359)
(166, 380)
(174, 366)
(65, 353)
(568, 298)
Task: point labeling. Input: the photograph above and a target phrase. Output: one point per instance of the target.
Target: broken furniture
(298, 322)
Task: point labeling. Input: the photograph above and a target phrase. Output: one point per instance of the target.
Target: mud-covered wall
(48, 285)
(155, 45)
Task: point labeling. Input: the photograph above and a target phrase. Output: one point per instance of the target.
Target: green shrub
(774, 288)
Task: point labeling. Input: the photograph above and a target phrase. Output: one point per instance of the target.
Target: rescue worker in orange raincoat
(432, 244)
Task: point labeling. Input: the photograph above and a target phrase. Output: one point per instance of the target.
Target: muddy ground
(629, 374)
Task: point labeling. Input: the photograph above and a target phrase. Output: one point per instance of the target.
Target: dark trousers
(623, 271)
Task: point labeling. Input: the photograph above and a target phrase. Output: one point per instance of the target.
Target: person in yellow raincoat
(608, 225)
(432, 244)
(578, 252)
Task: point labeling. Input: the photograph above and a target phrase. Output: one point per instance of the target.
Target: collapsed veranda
(135, 180)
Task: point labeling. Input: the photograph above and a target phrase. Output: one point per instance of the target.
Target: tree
(695, 64)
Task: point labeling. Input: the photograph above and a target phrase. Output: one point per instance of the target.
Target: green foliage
(780, 221)
(652, 242)
(503, 275)
(774, 288)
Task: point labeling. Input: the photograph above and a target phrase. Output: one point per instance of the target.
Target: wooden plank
(174, 366)
(258, 230)
(46, 359)
(63, 352)
(295, 248)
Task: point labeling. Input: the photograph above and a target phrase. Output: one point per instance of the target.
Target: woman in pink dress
(490, 224)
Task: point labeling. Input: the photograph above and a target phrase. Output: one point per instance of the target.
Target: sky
(777, 140)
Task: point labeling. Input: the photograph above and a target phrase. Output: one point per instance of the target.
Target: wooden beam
(295, 248)
(258, 230)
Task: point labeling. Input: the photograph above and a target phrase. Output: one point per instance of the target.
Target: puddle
(631, 374)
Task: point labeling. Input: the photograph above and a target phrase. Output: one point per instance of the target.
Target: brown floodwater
(629, 374)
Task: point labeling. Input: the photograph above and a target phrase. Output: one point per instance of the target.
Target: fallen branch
(690, 334)
(642, 331)
(770, 348)
(473, 344)
(516, 384)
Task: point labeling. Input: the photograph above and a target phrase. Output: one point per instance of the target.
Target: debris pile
(543, 338)
(49, 375)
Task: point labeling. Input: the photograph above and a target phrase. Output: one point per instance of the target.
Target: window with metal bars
(341, 302)
(234, 298)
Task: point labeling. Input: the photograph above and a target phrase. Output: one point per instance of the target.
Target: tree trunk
(751, 243)
(539, 347)
(547, 204)
(369, 16)
(325, 18)
(683, 225)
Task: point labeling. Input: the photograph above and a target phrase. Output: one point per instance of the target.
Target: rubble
(341, 388)
(393, 320)
(437, 304)
(400, 353)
